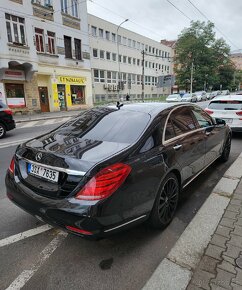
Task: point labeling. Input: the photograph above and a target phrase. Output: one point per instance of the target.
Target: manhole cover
(239, 262)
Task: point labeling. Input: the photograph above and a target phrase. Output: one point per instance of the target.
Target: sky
(159, 19)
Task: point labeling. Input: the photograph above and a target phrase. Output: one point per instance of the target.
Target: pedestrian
(127, 97)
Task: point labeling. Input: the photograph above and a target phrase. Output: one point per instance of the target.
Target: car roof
(228, 97)
(150, 108)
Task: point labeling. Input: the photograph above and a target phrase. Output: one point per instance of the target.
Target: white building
(44, 55)
(106, 40)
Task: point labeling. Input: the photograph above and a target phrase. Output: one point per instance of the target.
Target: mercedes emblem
(38, 156)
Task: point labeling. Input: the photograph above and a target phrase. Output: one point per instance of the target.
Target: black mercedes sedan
(110, 168)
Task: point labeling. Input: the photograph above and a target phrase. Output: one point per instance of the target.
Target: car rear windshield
(173, 96)
(107, 124)
(226, 105)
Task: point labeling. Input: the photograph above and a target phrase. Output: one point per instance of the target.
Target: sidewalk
(208, 255)
(45, 116)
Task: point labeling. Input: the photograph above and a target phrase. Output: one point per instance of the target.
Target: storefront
(69, 92)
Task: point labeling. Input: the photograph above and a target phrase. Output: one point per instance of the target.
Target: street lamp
(118, 55)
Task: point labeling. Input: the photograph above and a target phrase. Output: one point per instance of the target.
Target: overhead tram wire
(179, 10)
(219, 30)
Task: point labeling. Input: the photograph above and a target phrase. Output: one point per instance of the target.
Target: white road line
(13, 143)
(26, 275)
(21, 236)
(28, 124)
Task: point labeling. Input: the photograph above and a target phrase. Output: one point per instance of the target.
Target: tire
(226, 150)
(166, 202)
(2, 130)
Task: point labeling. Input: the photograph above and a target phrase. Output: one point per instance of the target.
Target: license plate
(228, 121)
(43, 172)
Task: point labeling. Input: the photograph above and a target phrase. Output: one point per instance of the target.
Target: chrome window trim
(165, 142)
(60, 169)
(112, 229)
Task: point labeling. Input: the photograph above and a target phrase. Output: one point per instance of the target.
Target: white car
(189, 98)
(173, 98)
(225, 92)
(228, 108)
(201, 96)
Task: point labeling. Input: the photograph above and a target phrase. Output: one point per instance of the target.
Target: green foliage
(210, 57)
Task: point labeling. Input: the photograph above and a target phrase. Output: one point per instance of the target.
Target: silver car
(173, 98)
(189, 98)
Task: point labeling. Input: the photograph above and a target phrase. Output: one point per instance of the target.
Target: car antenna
(119, 105)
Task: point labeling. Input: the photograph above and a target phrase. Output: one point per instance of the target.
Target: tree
(210, 57)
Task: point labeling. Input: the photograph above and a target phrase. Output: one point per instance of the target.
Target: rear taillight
(79, 231)
(105, 182)
(11, 166)
(210, 112)
(9, 112)
(239, 113)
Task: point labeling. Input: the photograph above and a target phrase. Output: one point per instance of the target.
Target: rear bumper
(84, 215)
(10, 125)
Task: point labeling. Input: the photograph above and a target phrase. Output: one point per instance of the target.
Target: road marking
(13, 143)
(26, 275)
(28, 124)
(41, 122)
(24, 235)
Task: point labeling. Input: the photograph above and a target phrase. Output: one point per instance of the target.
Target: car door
(214, 136)
(187, 141)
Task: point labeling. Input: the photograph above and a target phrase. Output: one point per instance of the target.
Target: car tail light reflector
(9, 112)
(239, 113)
(105, 182)
(11, 166)
(80, 231)
(210, 112)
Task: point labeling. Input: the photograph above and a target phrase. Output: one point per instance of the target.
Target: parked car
(108, 169)
(214, 94)
(189, 98)
(201, 96)
(173, 98)
(228, 108)
(225, 92)
(6, 119)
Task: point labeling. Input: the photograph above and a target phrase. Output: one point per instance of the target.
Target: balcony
(43, 12)
(71, 21)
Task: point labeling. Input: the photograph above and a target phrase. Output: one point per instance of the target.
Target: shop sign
(16, 102)
(71, 80)
(10, 74)
(2, 94)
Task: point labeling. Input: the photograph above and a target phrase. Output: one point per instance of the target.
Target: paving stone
(223, 279)
(235, 286)
(237, 231)
(232, 251)
(219, 240)
(226, 186)
(235, 241)
(226, 266)
(239, 187)
(223, 231)
(216, 287)
(237, 196)
(193, 287)
(230, 214)
(214, 251)
(235, 201)
(202, 279)
(235, 170)
(238, 278)
(233, 207)
(208, 264)
(227, 222)
(229, 259)
(239, 221)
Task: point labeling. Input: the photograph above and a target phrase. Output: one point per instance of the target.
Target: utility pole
(191, 78)
(143, 75)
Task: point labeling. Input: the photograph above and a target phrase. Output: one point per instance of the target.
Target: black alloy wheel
(166, 202)
(2, 130)
(226, 151)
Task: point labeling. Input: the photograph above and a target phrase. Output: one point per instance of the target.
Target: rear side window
(107, 124)
(225, 105)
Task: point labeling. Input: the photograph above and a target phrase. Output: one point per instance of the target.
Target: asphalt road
(123, 261)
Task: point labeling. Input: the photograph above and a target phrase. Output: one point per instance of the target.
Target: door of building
(44, 101)
(62, 97)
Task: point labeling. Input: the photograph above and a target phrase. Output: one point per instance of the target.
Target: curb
(176, 270)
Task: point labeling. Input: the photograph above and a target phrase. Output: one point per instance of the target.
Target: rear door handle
(177, 147)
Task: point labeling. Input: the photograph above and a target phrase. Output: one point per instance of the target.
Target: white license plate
(228, 121)
(43, 172)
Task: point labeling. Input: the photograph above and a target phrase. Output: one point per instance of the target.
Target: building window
(15, 29)
(124, 59)
(51, 42)
(100, 32)
(129, 42)
(48, 3)
(94, 31)
(95, 52)
(124, 77)
(98, 76)
(129, 60)
(134, 61)
(146, 63)
(111, 77)
(102, 54)
(64, 7)
(74, 8)
(107, 35)
(138, 79)
(77, 95)
(124, 40)
(114, 56)
(138, 45)
(15, 95)
(120, 58)
(138, 62)
(119, 38)
(133, 78)
(68, 49)
(39, 40)
(108, 55)
(134, 44)
(113, 37)
(142, 46)
(78, 49)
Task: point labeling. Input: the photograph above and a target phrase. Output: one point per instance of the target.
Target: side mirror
(220, 122)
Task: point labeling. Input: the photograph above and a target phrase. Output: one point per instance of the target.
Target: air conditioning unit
(110, 87)
(105, 86)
